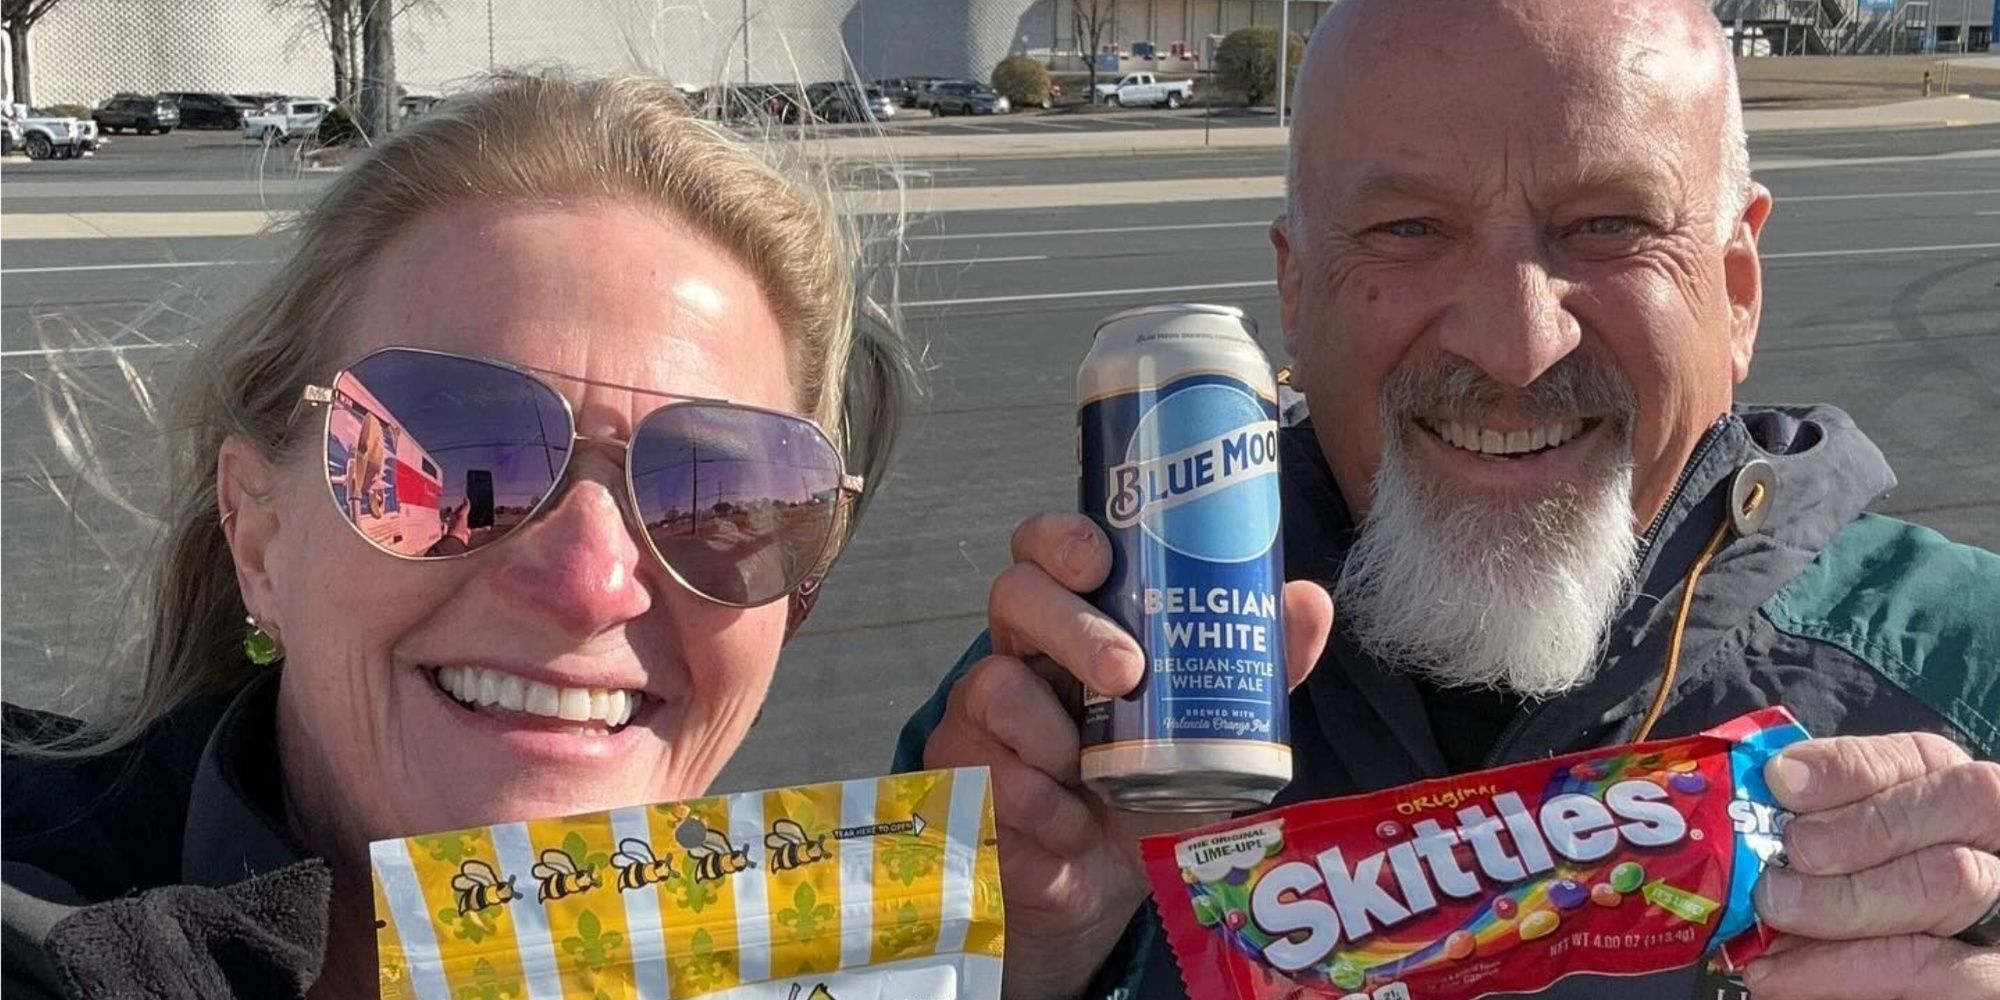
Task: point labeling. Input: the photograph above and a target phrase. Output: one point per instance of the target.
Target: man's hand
(1891, 854)
(1070, 863)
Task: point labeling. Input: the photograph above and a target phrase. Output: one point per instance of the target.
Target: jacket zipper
(1522, 719)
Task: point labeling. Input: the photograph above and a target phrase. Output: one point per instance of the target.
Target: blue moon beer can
(1177, 426)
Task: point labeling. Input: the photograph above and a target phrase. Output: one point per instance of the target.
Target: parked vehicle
(48, 137)
(905, 90)
(1140, 90)
(259, 102)
(210, 110)
(138, 113)
(843, 101)
(927, 95)
(962, 97)
(286, 120)
(754, 102)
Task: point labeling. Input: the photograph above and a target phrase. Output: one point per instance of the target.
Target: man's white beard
(1471, 591)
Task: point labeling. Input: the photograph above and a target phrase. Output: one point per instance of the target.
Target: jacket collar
(235, 821)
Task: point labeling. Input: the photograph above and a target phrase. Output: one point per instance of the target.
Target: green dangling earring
(260, 647)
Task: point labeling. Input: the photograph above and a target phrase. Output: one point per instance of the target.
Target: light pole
(1284, 53)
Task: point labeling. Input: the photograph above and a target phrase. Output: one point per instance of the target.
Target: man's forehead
(1611, 98)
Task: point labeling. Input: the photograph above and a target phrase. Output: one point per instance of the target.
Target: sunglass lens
(433, 455)
(741, 503)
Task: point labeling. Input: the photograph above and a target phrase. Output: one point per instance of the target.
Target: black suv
(202, 110)
(144, 115)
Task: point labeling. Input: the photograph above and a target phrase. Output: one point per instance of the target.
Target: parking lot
(1883, 288)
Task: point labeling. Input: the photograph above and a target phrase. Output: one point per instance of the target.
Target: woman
(598, 365)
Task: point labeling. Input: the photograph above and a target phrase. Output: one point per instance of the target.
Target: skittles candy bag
(1624, 861)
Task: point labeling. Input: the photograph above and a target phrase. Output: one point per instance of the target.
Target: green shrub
(1022, 81)
(69, 111)
(337, 128)
(1246, 63)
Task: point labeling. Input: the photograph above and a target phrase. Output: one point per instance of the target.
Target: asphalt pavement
(1882, 296)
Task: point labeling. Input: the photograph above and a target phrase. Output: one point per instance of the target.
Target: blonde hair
(540, 137)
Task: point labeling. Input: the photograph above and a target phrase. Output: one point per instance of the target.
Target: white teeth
(543, 699)
(1479, 439)
(476, 686)
(513, 693)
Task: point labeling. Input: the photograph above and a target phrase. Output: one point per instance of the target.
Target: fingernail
(1755, 972)
(1802, 846)
(1777, 894)
(1118, 660)
(1789, 778)
(1076, 552)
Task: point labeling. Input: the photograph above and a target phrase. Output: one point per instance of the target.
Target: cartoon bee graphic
(791, 848)
(637, 868)
(715, 858)
(560, 877)
(479, 887)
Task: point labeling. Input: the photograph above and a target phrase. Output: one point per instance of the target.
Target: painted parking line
(149, 266)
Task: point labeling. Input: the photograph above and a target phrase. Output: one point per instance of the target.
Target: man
(1520, 282)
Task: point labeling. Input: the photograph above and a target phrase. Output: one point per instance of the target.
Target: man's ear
(1743, 277)
(244, 480)
(1290, 280)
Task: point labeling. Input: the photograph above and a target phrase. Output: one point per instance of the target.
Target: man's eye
(1409, 228)
(1613, 225)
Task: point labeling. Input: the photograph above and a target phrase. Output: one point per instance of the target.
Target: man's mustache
(1444, 387)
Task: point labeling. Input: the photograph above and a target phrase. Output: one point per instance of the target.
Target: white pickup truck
(1138, 90)
(283, 121)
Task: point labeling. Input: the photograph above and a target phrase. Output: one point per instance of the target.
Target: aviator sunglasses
(431, 455)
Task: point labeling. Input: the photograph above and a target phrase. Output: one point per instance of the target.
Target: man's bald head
(1607, 51)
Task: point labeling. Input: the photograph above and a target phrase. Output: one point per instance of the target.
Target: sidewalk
(1934, 112)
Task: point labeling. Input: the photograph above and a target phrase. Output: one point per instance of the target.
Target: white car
(46, 136)
(284, 121)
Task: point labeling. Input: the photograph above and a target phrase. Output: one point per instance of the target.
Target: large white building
(88, 49)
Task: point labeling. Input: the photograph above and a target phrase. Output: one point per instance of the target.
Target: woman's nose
(577, 563)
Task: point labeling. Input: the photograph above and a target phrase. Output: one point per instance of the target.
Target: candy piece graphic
(1682, 766)
(1237, 876)
(1688, 783)
(1188, 876)
(1347, 975)
(1568, 894)
(1589, 770)
(1505, 907)
(1207, 911)
(1388, 829)
(1539, 924)
(1603, 895)
(1627, 876)
(1458, 947)
(1235, 920)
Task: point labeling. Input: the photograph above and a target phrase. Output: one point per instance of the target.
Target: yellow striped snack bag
(874, 889)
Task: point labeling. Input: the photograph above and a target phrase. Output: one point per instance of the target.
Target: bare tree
(1091, 20)
(20, 17)
(379, 97)
(340, 29)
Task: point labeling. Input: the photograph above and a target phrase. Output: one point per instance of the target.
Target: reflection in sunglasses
(433, 455)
